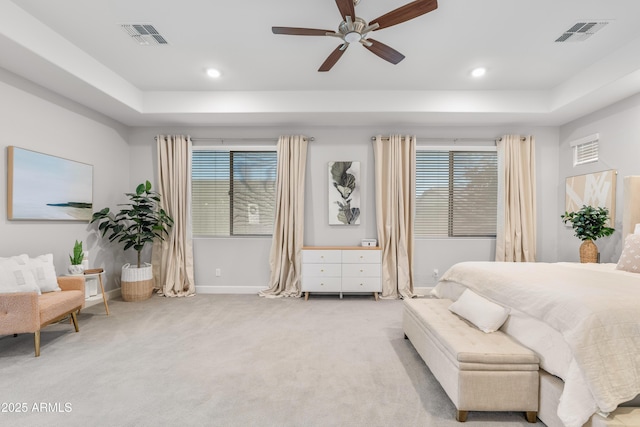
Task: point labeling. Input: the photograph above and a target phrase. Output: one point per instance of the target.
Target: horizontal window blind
(233, 192)
(456, 193)
(586, 153)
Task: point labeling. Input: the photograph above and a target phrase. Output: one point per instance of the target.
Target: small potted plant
(589, 224)
(139, 222)
(76, 259)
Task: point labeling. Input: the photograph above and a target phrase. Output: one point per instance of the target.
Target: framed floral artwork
(344, 193)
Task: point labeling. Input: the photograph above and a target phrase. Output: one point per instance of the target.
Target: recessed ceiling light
(478, 72)
(213, 73)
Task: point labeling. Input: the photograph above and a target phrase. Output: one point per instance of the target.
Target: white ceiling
(76, 48)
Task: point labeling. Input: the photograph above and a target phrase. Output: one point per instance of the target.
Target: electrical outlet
(218, 272)
(435, 273)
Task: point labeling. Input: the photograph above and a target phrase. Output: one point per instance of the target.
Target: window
(233, 192)
(585, 150)
(456, 193)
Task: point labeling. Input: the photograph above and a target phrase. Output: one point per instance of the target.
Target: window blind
(585, 153)
(233, 192)
(585, 150)
(456, 193)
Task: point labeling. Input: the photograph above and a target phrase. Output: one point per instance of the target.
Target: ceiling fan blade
(405, 13)
(300, 31)
(333, 58)
(385, 52)
(346, 8)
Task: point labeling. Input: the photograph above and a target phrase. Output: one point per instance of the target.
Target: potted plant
(139, 222)
(76, 259)
(589, 224)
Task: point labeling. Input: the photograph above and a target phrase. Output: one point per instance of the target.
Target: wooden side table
(98, 272)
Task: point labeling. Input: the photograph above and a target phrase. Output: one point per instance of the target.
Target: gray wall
(244, 262)
(619, 148)
(37, 120)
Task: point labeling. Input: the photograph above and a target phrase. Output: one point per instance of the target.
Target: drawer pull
(321, 271)
(321, 284)
(361, 284)
(361, 257)
(322, 256)
(361, 271)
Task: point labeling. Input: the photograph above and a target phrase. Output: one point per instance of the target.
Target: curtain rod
(373, 138)
(238, 139)
(454, 140)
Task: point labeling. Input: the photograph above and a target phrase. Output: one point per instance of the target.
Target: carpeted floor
(228, 360)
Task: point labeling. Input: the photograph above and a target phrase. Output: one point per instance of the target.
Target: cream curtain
(516, 228)
(172, 258)
(395, 169)
(286, 246)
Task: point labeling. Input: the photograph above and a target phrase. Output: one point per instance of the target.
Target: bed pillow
(484, 314)
(630, 257)
(15, 276)
(44, 272)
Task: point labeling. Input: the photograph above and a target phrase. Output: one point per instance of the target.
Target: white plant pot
(137, 283)
(76, 270)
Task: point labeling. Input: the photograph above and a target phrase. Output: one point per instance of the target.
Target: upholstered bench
(479, 371)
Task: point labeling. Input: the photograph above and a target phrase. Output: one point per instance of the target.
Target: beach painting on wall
(45, 187)
(344, 193)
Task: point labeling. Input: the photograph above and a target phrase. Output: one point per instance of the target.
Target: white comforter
(596, 309)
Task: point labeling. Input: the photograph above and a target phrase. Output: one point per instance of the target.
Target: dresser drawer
(321, 270)
(321, 256)
(361, 284)
(366, 256)
(321, 284)
(361, 270)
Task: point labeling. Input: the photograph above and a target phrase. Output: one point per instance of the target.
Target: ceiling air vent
(581, 31)
(144, 34)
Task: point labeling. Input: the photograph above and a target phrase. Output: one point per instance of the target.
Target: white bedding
(594, 307)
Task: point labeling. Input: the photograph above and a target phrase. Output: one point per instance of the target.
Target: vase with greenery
(76, 259)
(589, 224)
(138, 222)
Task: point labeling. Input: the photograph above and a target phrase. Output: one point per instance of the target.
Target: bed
(583, 321)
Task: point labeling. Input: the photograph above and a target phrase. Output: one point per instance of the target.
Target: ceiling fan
(354, 29)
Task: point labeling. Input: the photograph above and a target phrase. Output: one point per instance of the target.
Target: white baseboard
(229, 289)
(426, 290)
(240, 290)
(97, 299)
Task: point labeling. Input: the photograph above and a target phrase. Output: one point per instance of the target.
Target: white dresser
(339, 269)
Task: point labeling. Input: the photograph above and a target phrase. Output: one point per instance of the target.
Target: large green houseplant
(139, 222)
(589, 224)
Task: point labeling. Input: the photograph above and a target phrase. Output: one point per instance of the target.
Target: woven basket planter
(137, 283)
(588, 251)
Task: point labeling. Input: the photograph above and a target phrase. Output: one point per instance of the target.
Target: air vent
(144, 34)
(581, 31)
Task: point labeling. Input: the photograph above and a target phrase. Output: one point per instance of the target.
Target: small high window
(585, 150)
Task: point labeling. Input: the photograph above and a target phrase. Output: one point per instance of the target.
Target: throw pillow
(484, 314)
(15, 276)
(44, 272)
(630, 257)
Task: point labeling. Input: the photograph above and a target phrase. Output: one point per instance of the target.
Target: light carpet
(228, 360)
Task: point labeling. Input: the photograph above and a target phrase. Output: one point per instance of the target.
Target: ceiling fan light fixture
(478, 72)
(213, 73)
(352, 37)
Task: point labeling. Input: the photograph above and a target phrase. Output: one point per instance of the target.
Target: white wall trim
(97, 299)
(426, 290)
(584, 140)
